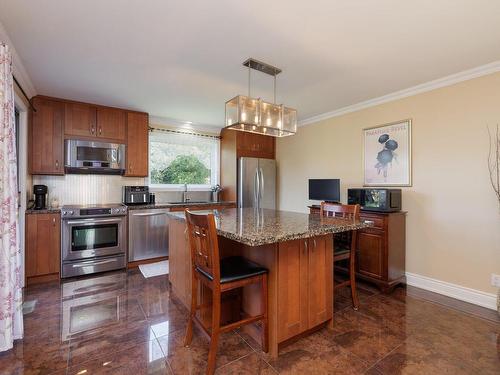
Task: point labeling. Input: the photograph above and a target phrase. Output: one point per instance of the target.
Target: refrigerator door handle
(261, 184)
(256, 188)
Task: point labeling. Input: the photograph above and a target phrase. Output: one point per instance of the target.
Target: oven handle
(94, 263)
(93, 221)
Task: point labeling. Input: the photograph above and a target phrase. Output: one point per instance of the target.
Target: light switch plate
(495, 280)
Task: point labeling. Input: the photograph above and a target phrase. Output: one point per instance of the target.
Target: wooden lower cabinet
(305, 279)
(43, 246)
(381, 248)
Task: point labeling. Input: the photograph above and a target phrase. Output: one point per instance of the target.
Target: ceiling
(182, 59)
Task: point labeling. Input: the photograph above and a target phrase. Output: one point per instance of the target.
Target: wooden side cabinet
(305, 296)
(43, 247)
(46, 148)
(381, 248)
(137, 144)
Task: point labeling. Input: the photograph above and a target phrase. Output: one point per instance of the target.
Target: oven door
(95, 237)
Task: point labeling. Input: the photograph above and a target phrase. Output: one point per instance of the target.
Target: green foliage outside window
(184, 169)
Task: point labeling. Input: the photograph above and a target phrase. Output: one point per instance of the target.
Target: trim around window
(190, 139)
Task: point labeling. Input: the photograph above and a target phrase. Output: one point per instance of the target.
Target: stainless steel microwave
(92, 157)
(375, 199)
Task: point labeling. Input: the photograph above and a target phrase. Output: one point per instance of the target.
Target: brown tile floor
(122, 323)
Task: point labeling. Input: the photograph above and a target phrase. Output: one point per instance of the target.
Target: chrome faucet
(185, 198)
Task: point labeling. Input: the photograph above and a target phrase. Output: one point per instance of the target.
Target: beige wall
(453, 223)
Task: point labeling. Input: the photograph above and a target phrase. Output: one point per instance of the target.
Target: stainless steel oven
(94, 157)
(93, 239)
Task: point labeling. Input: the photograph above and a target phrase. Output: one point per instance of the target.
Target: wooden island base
(300, 284)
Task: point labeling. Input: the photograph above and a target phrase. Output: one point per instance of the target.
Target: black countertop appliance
(40, 192)
(133, 195)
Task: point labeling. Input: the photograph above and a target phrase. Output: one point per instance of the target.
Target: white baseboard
(488, 300)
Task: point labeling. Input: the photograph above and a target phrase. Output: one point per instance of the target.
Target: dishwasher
(147, 233)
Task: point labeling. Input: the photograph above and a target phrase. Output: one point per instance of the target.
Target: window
(178, 158)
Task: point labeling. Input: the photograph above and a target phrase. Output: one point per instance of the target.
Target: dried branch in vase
(494, 161)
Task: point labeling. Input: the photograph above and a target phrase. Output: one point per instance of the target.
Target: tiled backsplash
(100, 189)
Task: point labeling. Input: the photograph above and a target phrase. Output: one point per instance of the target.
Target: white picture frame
(387, 154)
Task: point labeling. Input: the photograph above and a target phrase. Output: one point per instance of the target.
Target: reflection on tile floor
(121, 323)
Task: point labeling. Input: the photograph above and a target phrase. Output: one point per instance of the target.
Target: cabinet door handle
(100, 130)
(57, 164)
(54, 221)
(314, 242)
(92, 130)
(130, 166)
(305, 246)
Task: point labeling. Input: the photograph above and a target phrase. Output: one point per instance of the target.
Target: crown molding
(424, 87)
(19, 71)
(171, 122)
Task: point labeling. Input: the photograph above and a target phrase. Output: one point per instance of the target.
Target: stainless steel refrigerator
(257, 183)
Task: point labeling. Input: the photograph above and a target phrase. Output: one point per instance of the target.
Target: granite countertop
(143, 206)
(44, 211)
(259, 227)
(180, 204)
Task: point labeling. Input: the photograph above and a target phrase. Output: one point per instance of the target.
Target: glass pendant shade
(256, 116)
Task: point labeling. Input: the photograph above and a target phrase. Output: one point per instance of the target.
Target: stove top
(94, 210)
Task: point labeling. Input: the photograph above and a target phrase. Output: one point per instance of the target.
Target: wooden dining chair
(220, 275)
(345, 248)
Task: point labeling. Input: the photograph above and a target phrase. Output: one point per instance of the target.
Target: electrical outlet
(495, 280)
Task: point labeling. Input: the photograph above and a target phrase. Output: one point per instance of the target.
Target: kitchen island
(296, 248)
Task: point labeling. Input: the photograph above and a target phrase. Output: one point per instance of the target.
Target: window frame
(214, 172)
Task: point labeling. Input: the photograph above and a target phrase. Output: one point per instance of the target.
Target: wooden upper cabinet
(87, 120)
(43, 241)
(137, 144)
(46, 147)
(80, 120)
(111, 123)
(255, 145)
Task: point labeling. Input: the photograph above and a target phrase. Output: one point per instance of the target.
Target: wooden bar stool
(346, 247)
(220, 275)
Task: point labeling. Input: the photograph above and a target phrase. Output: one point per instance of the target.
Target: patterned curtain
(11, 318)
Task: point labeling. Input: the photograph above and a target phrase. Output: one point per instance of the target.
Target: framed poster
(387, 154)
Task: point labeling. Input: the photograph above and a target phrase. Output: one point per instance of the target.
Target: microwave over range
(90, 157)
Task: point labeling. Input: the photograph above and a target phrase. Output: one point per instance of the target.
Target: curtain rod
(151, 129)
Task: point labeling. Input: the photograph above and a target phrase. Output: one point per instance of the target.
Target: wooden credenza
(381, 248)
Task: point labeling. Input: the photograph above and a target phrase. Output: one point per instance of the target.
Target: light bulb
(265, 130)
(256, 119)
(268, 121)
(229, 121)
(253, 127)
(243, 116)
(279, 124)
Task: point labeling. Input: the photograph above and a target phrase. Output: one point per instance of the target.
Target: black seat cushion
(236, 268)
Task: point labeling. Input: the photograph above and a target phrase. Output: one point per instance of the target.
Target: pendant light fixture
(254, 115)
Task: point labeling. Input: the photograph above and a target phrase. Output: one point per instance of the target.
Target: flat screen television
(324, 189)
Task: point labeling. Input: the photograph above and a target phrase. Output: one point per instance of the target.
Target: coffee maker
(40, 192)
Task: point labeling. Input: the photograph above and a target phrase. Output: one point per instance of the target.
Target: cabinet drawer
(378, 222)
